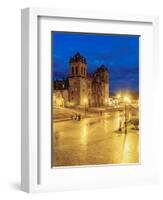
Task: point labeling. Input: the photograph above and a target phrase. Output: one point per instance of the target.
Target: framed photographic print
(95, 106)
(88, 100)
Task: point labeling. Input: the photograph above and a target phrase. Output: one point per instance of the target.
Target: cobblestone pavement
(94, 141)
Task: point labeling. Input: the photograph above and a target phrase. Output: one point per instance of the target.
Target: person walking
(120, 125)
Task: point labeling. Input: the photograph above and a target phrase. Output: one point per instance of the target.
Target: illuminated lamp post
(126, 101)
(118, 96)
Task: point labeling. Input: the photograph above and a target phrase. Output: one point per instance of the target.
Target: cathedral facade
(81, 88)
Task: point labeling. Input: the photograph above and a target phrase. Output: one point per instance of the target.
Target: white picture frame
(35, 169)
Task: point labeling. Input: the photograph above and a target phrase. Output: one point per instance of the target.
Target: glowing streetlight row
(126, 98)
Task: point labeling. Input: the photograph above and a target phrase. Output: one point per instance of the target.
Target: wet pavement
(94, 141)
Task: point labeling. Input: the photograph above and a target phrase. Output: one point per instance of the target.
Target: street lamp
(118, 96)
(85, 102)
(126, 101)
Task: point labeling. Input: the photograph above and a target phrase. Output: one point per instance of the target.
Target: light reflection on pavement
(94, 141)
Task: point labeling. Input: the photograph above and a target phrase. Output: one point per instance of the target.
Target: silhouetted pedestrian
(120, 125)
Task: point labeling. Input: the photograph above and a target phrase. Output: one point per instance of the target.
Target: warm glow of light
(85, 100)
(118, 96)
(127, 99)
(84, 135)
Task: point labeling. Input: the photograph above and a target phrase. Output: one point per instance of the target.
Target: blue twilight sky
(119, 53)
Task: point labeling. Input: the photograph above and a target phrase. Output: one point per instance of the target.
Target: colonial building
(60, 94)
(82, 89)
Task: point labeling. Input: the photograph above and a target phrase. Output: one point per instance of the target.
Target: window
(72, 70)
(76, 70)
(81, 70)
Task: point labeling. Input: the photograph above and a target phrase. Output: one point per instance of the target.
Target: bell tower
(78, 79)
(101, 86)
(78, 66)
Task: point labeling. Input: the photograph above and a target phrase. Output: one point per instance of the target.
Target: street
(93, 141)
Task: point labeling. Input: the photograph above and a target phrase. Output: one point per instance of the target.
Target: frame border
(30, 79)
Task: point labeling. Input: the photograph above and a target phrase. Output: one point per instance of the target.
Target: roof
(77, 57)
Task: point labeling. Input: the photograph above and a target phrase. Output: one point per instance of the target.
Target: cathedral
(81, 88)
